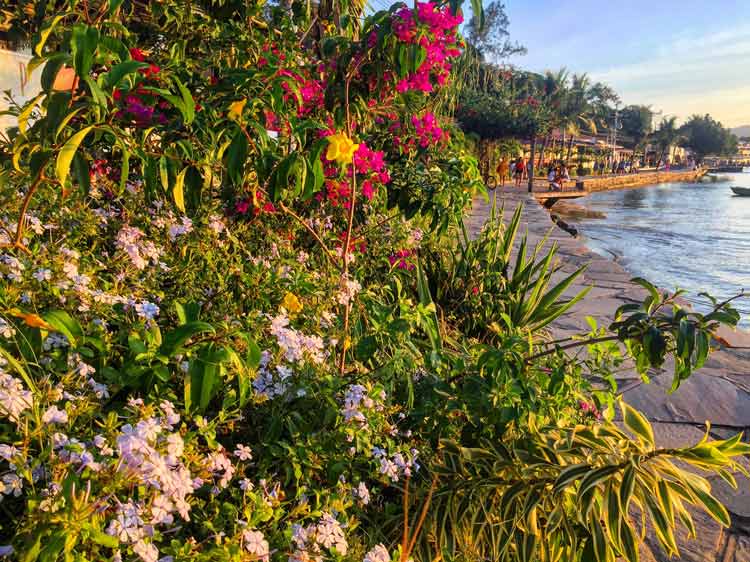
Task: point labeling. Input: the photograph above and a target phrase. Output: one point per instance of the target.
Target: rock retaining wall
(605, 183)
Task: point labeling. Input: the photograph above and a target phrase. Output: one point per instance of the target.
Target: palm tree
(554, 90)
(579, 113)
(666, 136)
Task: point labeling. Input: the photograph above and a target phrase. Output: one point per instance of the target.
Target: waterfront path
(719, 392)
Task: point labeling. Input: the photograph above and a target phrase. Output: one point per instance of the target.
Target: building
(14, 77)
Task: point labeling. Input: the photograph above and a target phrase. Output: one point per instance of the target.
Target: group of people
(517, 170)
(616, 167)
(557, 175)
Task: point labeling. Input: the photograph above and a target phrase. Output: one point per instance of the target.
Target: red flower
(137, 54)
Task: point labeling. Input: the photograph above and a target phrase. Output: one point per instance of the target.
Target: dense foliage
(240, 318)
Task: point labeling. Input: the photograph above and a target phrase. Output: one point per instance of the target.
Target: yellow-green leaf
(23, 117)
(69, 149)
(44, 34)
(638, 424)
(178, 191)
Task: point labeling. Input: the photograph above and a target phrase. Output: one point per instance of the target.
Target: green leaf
(629, 542)
(188, 103)
(627, 487)
(595, 478)
(569, 475)
(120, 71)
(65, 122)
(638, 424)
(83, 43)
(23, 117)
(236, 157)
(175, 339)
(113, 6)
(44, 34)
(64, 323)
(714, 508)
(164, 173)
(67, 152)
(81, 173)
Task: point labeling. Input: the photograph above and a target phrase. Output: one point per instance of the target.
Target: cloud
(690, 73)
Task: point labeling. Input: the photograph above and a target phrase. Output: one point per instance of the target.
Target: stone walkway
(719, 392)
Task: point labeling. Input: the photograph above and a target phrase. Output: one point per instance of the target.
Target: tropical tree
(637, 124)
(705, 136)
(666, 136)
(489, 34)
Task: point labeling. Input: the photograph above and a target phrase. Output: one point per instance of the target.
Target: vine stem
(422, 516)
(17, 242)
(405, 536)
(311, 230)
(348, 237)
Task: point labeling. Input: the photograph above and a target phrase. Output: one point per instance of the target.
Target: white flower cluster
(349, 290)
(256, 544)
(177, 229)
(361, 493)
(397, 465)
(356, 399)
(13, 268)
(55, 341)
(71, 450)
(131, 240)
(271, 382)
(216, 223)
(296, 345)
(220, 465)
(310, 541)
(378, 554)
(14, 398)
(6, 330)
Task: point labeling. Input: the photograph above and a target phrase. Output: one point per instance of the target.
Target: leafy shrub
(238, 318)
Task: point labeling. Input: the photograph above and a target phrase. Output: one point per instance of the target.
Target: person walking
(519, 171)
(502, 170)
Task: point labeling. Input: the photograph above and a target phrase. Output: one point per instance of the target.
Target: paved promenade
(719, 392)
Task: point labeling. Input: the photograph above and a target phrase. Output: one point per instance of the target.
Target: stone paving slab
(719, 392)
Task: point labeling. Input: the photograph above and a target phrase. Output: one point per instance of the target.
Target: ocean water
(695, 236)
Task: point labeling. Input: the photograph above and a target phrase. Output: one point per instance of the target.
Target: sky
(681, 57)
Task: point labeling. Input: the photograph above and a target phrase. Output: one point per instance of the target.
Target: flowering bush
(218, 339)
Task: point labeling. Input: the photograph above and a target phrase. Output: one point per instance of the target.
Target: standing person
(621, 167)
(502, 170)
(519, 171)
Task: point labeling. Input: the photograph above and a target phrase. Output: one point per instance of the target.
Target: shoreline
(719, 392)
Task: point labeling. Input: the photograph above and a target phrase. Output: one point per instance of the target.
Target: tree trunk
(541, 154)
(570, 149)
(562, 144)
(658, 162)
(531, 163)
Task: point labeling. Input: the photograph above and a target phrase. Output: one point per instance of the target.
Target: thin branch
(311, 230)
(571, 346)
(422, 517)
(405, 536)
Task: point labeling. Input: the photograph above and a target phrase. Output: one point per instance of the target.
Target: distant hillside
(743, 131)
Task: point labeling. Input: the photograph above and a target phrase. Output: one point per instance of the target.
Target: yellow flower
(235, 109)
(341, 148)
(292, 304)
